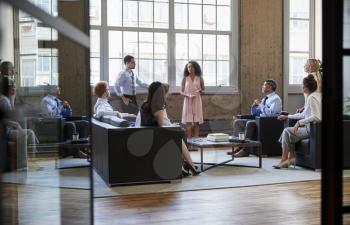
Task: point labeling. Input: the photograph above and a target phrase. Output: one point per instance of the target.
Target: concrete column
(6, 32)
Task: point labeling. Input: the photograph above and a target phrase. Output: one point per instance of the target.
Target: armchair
(268, 132)
(308, 151)
(47, 130)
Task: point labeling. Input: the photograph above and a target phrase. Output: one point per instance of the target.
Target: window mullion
(104, 43)
(171, 46)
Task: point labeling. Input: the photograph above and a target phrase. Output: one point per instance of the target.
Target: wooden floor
(282, 204)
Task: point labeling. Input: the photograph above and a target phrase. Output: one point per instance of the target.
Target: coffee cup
(75, 137)
(241, 136)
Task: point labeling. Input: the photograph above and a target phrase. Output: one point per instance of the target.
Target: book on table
(218, 137)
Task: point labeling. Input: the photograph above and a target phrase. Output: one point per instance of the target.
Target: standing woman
(191, 88)
(314, 67)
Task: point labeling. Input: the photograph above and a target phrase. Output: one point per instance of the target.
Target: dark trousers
(249, 128)
(132, 107)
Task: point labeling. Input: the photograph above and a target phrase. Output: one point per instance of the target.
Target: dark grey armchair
(269, 130)
(308, 151)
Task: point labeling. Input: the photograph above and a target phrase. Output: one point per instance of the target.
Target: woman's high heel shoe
(191, 168)
(284, 164)
(185, 173)
(292, 162)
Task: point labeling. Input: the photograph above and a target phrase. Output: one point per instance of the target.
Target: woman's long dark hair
(6, 85)
(155, 96)
(197, 69)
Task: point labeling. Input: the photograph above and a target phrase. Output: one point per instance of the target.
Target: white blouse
(312, 110)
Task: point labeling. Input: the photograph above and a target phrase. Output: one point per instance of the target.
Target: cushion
(115, 121)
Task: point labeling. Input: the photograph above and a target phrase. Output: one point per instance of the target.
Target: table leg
(260, 157)
(202, 167)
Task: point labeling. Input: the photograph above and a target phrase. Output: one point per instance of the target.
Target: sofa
(130, 155)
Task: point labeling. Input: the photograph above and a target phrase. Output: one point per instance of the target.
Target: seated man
(53, 107)
(270, 105)
(102, 107)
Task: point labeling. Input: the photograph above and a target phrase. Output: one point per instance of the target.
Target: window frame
(171, 31)
(36, 56)
(295, 88)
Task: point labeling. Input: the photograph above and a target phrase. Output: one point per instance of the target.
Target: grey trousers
(249, 129)
(289, 138)
(246, 126)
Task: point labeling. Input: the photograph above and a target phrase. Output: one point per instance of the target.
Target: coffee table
(202, 143)
(70, 144)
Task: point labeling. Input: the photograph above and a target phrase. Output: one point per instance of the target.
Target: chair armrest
(315, 141)
(249, 117)
(290, 122)
(72, 118)
(269, 128)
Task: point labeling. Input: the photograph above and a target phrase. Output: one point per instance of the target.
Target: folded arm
(273, 108)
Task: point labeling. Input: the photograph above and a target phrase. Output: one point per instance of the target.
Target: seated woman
(311, 113)
(102, 106)
(24, 137)
(153, 113)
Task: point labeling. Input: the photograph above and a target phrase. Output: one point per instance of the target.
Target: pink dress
(192, 110)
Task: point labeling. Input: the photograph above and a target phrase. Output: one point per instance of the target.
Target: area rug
(43, 173)
(219, 177)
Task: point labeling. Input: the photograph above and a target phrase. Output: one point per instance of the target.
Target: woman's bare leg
(285, 154)
(196, 130)
(186, 154)
(189, 130)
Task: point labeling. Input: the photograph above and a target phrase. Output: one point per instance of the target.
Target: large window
(37, 65)
(300, 17)
(163, 36)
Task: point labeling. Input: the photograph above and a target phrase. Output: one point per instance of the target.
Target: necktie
(264, 102)
(133, 83)
(57, 102)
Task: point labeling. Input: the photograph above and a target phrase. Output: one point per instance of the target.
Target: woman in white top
(301, 130)
(102, 106)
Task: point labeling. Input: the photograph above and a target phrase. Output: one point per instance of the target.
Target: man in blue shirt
(125, 86)
(270, 105)
(53, 107)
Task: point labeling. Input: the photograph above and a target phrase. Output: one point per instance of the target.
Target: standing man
(125, 86)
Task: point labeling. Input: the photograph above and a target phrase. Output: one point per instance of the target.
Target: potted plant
(347, 105)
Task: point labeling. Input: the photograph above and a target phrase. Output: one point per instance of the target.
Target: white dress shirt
(124, 84)
(103, 108)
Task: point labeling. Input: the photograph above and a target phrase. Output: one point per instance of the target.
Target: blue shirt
(124, 84)
(271, 106)
(52, 107)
